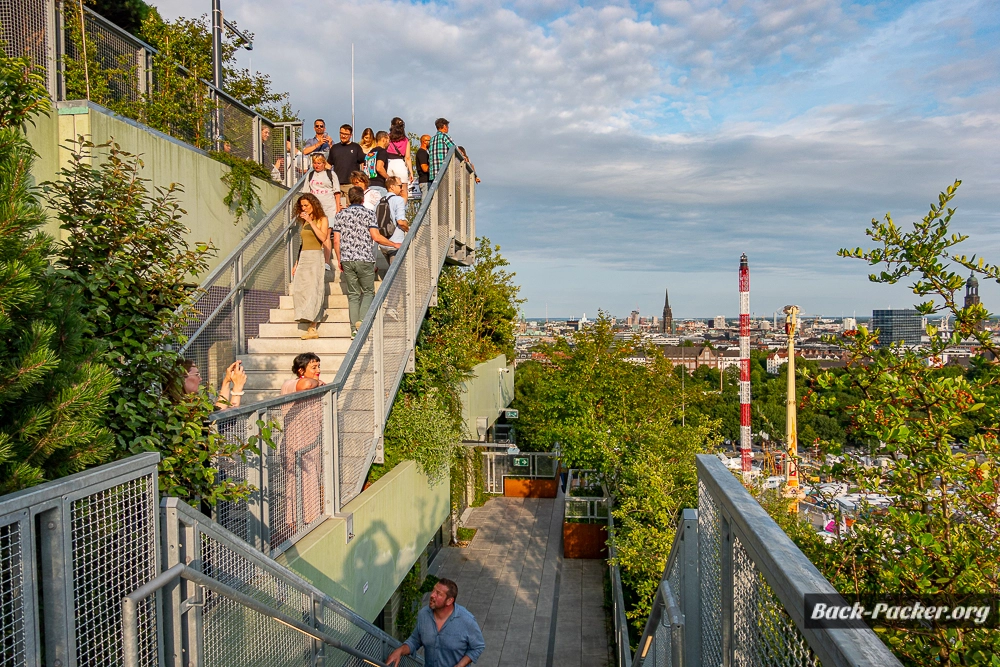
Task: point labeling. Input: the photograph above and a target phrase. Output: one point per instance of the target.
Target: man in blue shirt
(447, 631)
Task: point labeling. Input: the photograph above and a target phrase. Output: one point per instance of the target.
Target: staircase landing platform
(516, 583)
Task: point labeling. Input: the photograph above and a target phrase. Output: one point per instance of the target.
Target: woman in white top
(322, 182)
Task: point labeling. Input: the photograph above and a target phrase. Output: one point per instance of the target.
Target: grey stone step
(285, 315)
(296, 329)
(296, 345)
(282, 363)
(333, 301)
(339, 287)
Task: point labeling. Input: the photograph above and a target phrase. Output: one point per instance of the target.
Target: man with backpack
(390, 214)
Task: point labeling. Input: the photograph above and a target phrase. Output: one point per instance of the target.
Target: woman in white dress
(309, 273)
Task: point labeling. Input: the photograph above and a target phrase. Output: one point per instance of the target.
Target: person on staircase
(322, 182)
(306, 369)
(308, 274)
(355, 233)
(391, 215)
(345, 157)
(400, 164)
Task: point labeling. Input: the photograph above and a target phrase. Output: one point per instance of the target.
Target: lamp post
(218, 23)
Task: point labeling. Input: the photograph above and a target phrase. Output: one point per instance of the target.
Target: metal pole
(217, 20)
(352, 87)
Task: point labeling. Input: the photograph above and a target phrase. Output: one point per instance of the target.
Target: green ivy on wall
(244, 193)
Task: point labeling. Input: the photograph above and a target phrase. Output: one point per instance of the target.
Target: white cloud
(647, 145)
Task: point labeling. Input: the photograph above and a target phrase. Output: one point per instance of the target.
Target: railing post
(330, 459)
(57, 49)
(690, 589)
(727, 588)
(255, 478)
(55, 572)
(378, 383)
(265, 497)
(239, 319)
(258, 147)
(411, 310)
(435, 220)
(472, 211)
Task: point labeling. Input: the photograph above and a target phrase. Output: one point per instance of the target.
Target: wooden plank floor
(516, 583)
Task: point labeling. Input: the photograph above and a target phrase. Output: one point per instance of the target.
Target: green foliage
(623, 420)
(466, 534)
(178, 104)
(127, 14)
(244, 193)
(473, 322)
(125, 251)
(939, 535)
(420, 429)
(52, 398)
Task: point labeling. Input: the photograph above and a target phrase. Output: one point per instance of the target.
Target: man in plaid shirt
(440, 144)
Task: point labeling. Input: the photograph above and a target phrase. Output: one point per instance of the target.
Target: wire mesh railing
(498, 465)
(89, 546)
(619, 621)
(733, 592)
(328, 437)
(85, 56)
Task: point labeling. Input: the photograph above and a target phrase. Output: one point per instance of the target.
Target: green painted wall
(487, 393)
(394, 519)
(165, 161)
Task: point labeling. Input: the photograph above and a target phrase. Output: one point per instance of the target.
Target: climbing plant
(244, 192)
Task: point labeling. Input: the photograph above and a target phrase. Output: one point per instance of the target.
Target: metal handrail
(340, 379)
(130, 612)
(232, 259)
(789, 573)
(129, 37)
(618, 601)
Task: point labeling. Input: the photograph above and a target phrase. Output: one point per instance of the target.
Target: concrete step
(286, 315)
(257, 380)
(282, 363)
(333, 288)
(287, 308)
(296, 329)
(293, 346)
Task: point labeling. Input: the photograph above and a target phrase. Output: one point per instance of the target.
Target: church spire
(667, 326)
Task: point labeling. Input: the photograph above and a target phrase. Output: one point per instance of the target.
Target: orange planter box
(530, 488)
(585, 540)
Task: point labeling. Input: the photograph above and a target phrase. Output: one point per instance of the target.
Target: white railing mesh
(13, 643)
(113, 538)
(710, 578)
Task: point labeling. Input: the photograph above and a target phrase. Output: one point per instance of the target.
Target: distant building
(667, 325)
(849, 324)
(719, 322)
(894, 326)
(633, 319)
(972, 296)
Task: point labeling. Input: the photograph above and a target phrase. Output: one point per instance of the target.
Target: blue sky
(630, 147)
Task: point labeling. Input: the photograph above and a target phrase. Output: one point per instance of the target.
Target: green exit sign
(521, 462)
(510, 414)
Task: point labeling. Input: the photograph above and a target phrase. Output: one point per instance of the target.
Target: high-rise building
(896, 326)
(667, 325)
(719, 322)
(848, 324)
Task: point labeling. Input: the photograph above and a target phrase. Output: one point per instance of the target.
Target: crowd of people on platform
(353, 205)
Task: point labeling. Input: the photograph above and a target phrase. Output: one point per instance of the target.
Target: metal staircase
(329, 436)
(95, 570)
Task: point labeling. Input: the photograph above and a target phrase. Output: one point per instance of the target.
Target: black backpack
(383, 215)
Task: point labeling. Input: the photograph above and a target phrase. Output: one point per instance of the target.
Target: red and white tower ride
(744, 364)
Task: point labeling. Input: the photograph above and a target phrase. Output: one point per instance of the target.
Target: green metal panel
(487, 392)
(393, 520)
(166, 160)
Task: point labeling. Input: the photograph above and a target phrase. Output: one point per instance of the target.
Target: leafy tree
(939, 537)
(473, 322)
(125, 251)
(52, 399)
(624, 420)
